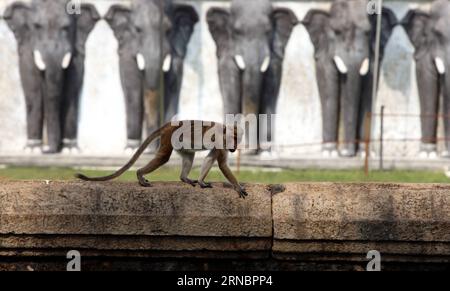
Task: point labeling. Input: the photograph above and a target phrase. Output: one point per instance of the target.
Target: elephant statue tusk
(39, 62)
(265, 64)
(342, 68)
(365, 66)
(140, 60)
(240, 62)
(66, 60)
(440, 65)
(167, 63)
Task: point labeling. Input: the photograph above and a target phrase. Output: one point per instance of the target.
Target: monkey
(190, 145)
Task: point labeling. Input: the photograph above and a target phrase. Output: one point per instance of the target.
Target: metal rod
(161, 57)
(381, 138)
(238, 162)
(367, 123)
(376, 70)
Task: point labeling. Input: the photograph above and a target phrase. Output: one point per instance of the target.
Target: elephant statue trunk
(152, 59)
(251, 91)
(156, 62)
(52, 106)
(153, 72)
(351, 86)
(253, 63)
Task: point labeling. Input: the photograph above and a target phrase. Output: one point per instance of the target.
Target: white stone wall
(102, 117)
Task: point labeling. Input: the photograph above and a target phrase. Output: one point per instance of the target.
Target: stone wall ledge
(296, 224)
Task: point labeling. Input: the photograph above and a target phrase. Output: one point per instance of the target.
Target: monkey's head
(232, 137)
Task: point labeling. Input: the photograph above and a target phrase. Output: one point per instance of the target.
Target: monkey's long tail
(122, 170)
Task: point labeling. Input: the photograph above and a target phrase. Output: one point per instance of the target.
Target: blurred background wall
(102, 122)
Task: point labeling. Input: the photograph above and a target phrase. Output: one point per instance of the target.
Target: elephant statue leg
(172, 86)
(34, 104)
(271, 89)
(328, 83)
(52, 112)
(133, 101)
(350, 107)
(73, 83)
(365, 109)
(429, 91)
(446, 90)
(230, 86)
(270, 93)
(152, 115)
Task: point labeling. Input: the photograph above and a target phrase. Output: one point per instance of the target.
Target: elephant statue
(251, 38)
(430, 35)
(344, 45)
(51, 46)
(153, 36)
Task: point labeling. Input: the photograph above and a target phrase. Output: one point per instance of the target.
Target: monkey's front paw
(204, 185)
(242, 193)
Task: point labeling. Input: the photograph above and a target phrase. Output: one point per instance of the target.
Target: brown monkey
(186, 144)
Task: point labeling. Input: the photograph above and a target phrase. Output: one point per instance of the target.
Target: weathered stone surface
(322, 226)
(355, 218)
(168, 216)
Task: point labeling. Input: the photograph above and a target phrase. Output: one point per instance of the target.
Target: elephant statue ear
(86, 21)
(118, 18)
(317, 23)
(388, 23)
(185, 17)
(219, 25)
(284, 21)
(415, 23)
(17, 17)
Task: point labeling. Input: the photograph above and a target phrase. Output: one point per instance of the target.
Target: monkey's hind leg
(206, 167)
(162, 157)
(188, 160)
